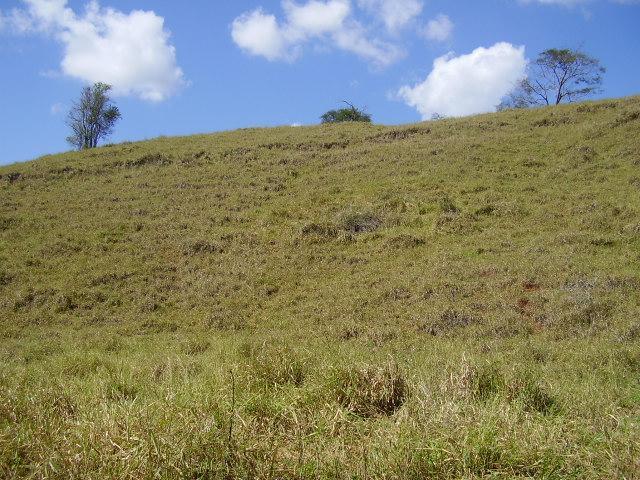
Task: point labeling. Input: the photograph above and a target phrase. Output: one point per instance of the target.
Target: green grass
(452, 299)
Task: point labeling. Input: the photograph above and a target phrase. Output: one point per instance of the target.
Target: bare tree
(92, 117)
(557, 76)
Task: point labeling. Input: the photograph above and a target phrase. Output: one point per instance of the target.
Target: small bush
(351, 114)
(370, 391)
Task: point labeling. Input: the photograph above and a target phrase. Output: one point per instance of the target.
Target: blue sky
(201, 66)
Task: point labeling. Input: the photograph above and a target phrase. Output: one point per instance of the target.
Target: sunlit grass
(453, 299)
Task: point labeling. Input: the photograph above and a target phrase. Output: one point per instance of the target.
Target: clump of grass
(406, 241)
(120, 390)
(447, 205)
(195, 346)
(274, 366)
(113, 345)
(175, 370)
(349, 332)
(226, 321)
(42, 351)
(589, 313)
(486, 381)
(148, 159)
(370, 391)
(631, 334)
(319, 230)
(475, 382)
(5, 278)
(158, 326)
(81, 366)
(448, 322)
(201, 247)
(355, 222)
(533, 397)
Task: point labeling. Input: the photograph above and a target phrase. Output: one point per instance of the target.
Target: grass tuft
(370, 391)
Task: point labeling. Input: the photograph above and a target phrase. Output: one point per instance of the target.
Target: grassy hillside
(452, 299)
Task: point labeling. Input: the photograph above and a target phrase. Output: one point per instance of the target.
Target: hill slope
(453, 298)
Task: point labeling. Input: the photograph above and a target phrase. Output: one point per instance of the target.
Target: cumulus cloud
(439, 29)
(329, 22)
(316, 17)
(259, 34)
(467, 84)
(395, 14)
(131, 51)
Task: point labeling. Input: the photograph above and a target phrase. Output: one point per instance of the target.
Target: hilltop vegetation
(448, 299)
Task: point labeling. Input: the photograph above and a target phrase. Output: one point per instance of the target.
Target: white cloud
(259, 34)
(395, 14)
(353, 39)
(328, 22)
(439, 29)
(467, 84)
(316, 17)
(131, 51)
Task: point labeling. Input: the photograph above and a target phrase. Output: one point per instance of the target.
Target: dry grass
(453, 299)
